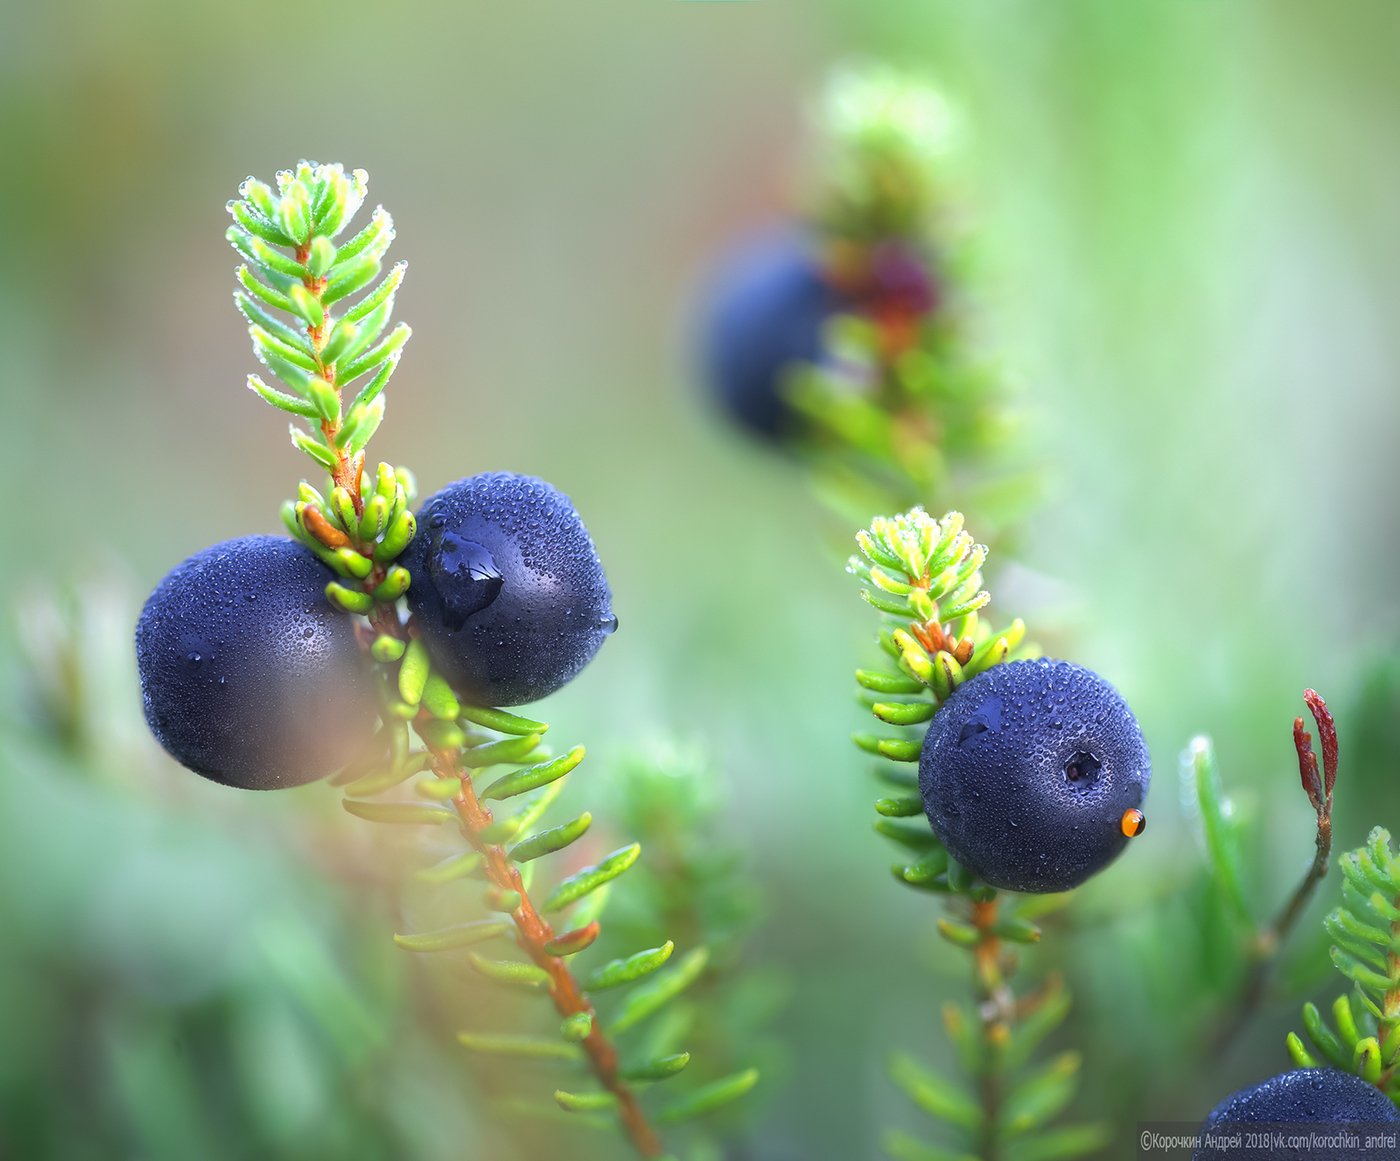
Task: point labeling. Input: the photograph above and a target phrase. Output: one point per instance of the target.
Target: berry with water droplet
(507, 588)
(253, 694)
(1305, 1096)
(1024, 756)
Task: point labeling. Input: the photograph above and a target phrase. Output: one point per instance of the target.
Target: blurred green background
(1190, 246)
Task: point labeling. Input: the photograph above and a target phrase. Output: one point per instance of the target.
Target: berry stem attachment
(535, 934)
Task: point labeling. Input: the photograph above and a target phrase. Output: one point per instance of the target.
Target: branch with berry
(378, 645)
(1030, 779)
(844, 333)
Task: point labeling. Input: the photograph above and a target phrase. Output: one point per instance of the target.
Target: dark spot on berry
(1043, 748)
(1081, 771)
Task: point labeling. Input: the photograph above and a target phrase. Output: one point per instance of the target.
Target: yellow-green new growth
(926, 574)
(886, 141)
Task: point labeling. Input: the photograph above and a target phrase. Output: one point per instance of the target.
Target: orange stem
(534, 933)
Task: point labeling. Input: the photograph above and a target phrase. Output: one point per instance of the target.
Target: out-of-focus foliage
(1187, 241)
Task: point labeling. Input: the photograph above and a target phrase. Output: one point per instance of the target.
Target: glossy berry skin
(249, 677)
(1027, 770)
(1307, 1096)
(507, 590)
(765, 313)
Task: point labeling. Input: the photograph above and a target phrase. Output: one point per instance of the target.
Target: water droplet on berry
(194, 659)
(465, 576)
(608, 623)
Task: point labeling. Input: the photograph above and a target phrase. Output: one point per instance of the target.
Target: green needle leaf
(1044, 1095)
(512, 973)
(1358, 972)
(260, 290)
(902, 1147)
(526, 1046)
(280, 399)
(661, 1068)
(349, 600)
(709, 1097)
(650, 997)
(385, 349)
(1300, 1055)
(317, 451)
(533, 777)
(575, 887)
(585, 1102)
(457, 866)
(275, 260)
(1062, 1143)
(347, 278)
(413, 671)
(397, 538)
(904, 807)
(399, 813)
(904, 713)
(379, 296)
(916, 838)
(1221, 845)
(577, 1027)
(546, 842)
(257, 225)
(625, 971)
(390, 589)
(936, 1096)
(465, 935)
(501, 721)
(880, 682)
(307, 306)
(506, 750)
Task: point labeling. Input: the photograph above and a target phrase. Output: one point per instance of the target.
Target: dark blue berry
(1027, 772)
(507, 588)
(1307, 1096)
(764, 315)
(249, 677)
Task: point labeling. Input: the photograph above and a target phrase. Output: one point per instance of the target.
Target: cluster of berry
(252, 679)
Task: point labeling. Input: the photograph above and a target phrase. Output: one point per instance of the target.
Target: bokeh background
(1190, 254)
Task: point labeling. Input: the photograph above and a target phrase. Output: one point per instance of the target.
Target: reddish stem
(534, 933)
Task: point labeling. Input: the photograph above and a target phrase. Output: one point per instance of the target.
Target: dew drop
(465, 575)
(608, 623)
(194, 659)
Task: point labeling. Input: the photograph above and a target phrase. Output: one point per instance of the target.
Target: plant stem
(995, 1004)
(1270, 939)
(1268, 943)
(533, 933)
(348, 468)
